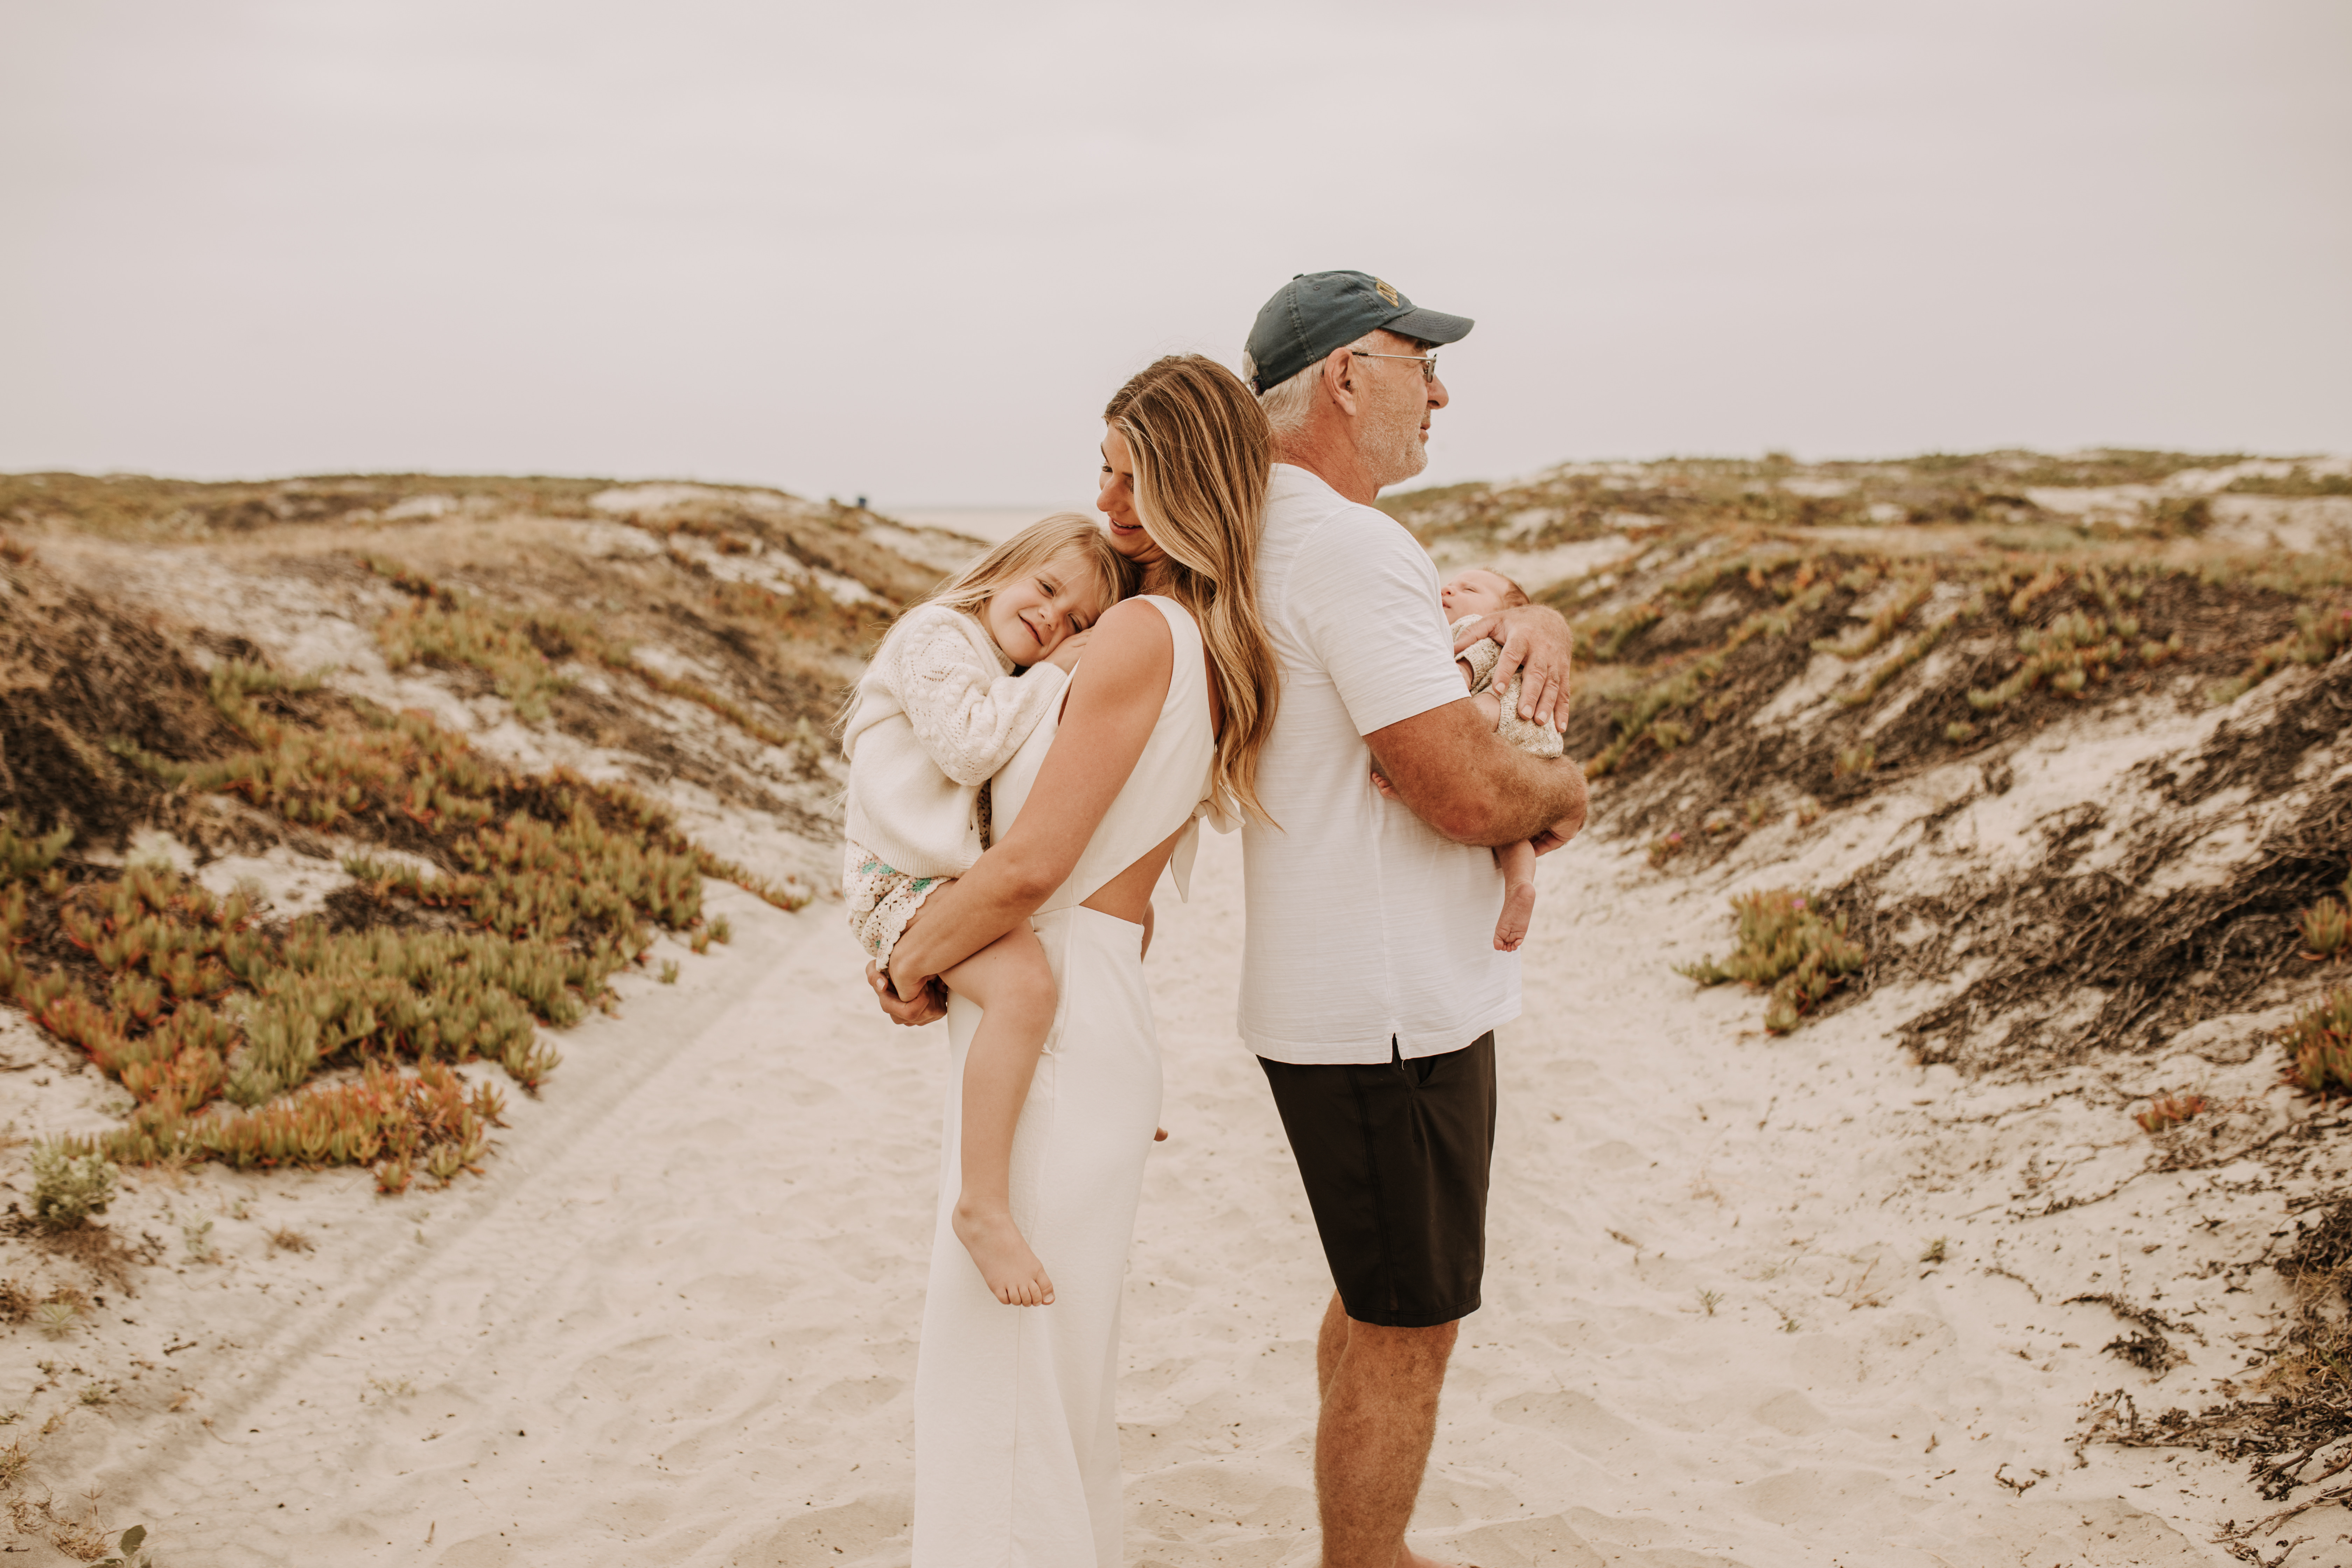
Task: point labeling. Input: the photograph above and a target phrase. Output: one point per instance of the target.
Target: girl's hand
(1066, 655)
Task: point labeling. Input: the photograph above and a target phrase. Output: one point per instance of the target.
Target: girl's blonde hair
(1203, 454)
(1048, 539)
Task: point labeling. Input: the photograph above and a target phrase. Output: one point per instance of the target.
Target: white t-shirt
(1364, 924)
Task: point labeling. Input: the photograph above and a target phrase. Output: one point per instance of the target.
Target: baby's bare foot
(1518, 913)
(1015, 1276)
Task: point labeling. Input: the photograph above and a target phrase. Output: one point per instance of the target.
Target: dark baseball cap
(1315, 313)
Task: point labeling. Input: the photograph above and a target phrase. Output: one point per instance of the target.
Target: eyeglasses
(1428, 362)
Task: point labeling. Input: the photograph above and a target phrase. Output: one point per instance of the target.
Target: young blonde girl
(955, 688)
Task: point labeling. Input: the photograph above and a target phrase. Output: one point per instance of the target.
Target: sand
(674, 1322)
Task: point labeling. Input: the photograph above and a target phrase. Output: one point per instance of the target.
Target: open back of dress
(1169, 783)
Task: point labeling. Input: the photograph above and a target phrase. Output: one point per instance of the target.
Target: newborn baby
(1473, 595)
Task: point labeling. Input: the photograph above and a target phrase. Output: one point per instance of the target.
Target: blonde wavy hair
(1048, 539)
(1202, 454)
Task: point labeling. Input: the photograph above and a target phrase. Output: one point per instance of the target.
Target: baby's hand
(1067, 655)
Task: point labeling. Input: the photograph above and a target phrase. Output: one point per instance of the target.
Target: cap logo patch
(1386, 290)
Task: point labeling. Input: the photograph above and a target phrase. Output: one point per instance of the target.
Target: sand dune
(675, 1321)
(1752, 1299)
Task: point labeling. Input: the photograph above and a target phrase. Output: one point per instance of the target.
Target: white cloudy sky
(907, 250)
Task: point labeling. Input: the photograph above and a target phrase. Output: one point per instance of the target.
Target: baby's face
(1031, 615)
(1472, 593)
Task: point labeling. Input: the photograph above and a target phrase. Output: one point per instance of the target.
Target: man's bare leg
(1013, 984)
(1379, 1389)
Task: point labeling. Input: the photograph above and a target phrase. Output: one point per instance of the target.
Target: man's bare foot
(1518, 913)
(1015, 1276)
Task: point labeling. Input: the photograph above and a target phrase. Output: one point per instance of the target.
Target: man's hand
(1065, 654)
(1558, 833)
(928, 1007)
(1535, 640)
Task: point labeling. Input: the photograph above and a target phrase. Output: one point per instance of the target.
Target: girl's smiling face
(1030, 615)
(1117, 502)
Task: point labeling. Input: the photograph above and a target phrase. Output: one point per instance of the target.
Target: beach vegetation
(1914, 592)
(2299, 480)
(519, 650)
(2073, 650)
(2325, 929)
(2170, 1110)
(1787, 949)
(2320, 633)
(128, 1552)
(70, 1187)
(1913, 649)
(2294, 1426)
(511, 901)
(2319, 1045)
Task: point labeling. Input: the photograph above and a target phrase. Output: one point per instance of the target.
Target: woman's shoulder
(1142, 621)
(1131, 648)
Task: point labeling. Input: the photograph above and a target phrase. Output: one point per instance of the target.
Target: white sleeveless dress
(1016, 1442)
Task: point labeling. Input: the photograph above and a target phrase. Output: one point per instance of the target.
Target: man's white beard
(1396, 453)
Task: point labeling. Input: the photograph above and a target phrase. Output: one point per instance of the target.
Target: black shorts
(1395, 1158)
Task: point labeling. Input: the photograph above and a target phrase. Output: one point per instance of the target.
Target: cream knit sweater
(934, 716)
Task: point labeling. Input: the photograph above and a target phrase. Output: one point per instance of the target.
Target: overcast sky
(908, 250)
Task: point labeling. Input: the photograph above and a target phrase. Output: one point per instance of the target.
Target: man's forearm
(1451, 770)
(1534, 793)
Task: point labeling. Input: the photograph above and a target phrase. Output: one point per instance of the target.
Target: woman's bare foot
(1015, 1276)
(1518, 913)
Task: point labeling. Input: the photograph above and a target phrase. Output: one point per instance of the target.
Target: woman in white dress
(1017, 1443)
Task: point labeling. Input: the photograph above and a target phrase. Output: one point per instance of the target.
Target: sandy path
(675, 1324)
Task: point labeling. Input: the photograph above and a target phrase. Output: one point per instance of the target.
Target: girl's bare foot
(1015, 1276)
(1518, 913)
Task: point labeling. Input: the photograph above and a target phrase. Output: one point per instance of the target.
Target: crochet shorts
(881, 900)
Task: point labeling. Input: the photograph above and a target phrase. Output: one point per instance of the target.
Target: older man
(1371, 988)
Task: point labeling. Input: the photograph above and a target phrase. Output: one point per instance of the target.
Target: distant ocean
(993, 524)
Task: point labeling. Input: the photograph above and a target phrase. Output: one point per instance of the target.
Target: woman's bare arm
(1114, 702)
